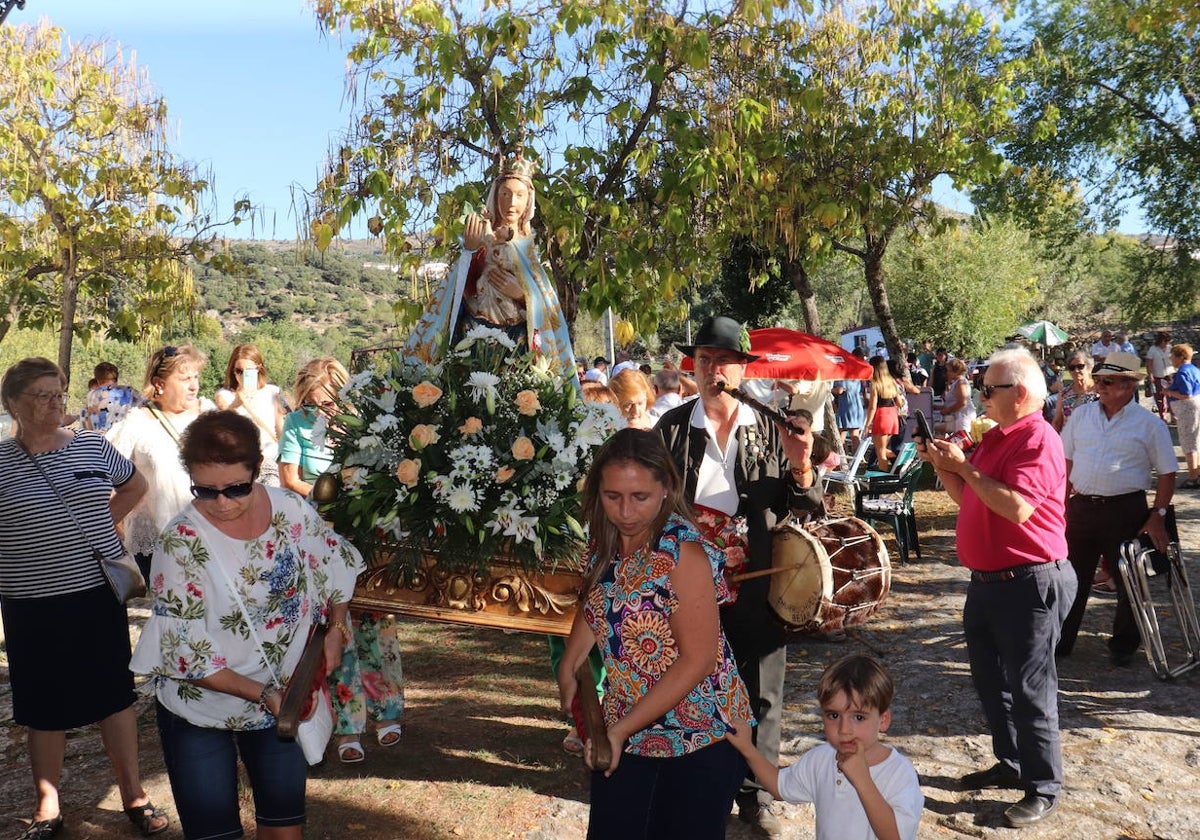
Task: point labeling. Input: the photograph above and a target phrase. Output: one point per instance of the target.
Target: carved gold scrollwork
(527, 596)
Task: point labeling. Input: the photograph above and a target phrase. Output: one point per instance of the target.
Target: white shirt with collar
(1112, 456)
(1100, 350)
(665, 402)
(715, 485)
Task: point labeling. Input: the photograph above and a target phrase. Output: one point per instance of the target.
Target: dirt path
(480, 755)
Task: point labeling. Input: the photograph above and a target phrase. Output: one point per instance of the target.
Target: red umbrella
(791, 354)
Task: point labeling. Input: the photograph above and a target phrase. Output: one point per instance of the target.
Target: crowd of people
(238, 571)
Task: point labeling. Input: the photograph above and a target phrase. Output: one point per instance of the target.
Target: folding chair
(889, 498)
(849, 476)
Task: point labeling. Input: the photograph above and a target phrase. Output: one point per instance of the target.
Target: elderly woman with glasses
(66, 634)
(1081, 391)
(149, 436)
(239, 579)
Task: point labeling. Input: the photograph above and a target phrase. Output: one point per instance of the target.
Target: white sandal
(384, 735)
(351, 752)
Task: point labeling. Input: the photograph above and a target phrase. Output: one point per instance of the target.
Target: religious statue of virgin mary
(499, 280)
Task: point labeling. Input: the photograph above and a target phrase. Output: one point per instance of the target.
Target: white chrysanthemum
(483, 385)
(487, 334)
(461, 499)
(356, 383)
(384, 422)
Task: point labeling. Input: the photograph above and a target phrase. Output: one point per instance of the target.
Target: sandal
(388, 736)
(351, 752)
(573, 744)
(43, 829)
(146, 817)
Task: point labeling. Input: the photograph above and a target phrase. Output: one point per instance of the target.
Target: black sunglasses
(988, 390)
(1076, 367)
(233, 491)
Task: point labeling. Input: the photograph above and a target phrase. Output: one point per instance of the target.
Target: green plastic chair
(889, 498)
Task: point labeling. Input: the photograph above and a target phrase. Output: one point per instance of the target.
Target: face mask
(249, 380)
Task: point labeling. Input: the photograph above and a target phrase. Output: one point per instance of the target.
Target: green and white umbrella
(1044, 333)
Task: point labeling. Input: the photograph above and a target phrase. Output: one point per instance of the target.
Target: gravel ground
(1131, 741)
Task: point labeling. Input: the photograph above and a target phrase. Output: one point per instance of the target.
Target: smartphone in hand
(923, 428)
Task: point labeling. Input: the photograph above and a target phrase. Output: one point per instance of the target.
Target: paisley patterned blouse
(629, 612)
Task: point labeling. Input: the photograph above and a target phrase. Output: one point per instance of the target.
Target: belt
(1014, 572)
(1106, 500)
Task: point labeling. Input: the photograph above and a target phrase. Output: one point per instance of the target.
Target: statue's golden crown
(518, 167)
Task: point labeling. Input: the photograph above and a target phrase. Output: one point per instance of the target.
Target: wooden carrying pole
(593, 716)
(300, 687)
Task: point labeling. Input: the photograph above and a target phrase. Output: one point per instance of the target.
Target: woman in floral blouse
(672, 690)
(237, 581)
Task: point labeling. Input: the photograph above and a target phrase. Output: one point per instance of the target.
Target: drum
(828, 575)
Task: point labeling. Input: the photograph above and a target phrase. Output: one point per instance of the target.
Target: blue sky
(254, 90)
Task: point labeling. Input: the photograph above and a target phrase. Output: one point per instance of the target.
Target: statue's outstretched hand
(476, 231)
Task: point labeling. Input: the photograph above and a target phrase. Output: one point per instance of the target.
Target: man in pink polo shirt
(1011, 535)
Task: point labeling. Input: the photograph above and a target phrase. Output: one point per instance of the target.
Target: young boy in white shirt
(862, 789)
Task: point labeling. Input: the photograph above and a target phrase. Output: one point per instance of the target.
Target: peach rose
(409, 472)
(522, 448)
(527, 403)
(471, 426)
(426, 394)
(504, 474)
(423, 435)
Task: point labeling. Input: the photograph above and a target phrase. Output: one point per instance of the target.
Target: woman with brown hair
(149, 436)
(672, 690)
(247, 390)
(1081, 391)
(958, 411)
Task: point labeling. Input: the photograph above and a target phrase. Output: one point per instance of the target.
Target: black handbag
(122, 573)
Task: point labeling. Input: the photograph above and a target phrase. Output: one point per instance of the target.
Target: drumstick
(764, 572)
(593, 716)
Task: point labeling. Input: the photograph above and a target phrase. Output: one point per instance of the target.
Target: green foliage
(967, 289)
(96, 213)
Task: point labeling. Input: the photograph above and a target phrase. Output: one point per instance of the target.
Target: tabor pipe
(593, 717)
(300, 686)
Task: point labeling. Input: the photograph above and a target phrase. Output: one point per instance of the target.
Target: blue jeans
(664, 798)
(202, 766)
(1012, 627)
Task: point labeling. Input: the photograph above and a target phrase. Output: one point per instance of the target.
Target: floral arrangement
(476, 457)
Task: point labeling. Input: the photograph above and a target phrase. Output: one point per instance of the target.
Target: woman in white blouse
(149, 436)
(236, 584)
(248, 391)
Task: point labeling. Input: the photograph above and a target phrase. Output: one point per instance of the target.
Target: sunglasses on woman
(1076, 367)
(233, 491)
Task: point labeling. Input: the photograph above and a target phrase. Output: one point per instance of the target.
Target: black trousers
(1011, 628)
(1096, 528)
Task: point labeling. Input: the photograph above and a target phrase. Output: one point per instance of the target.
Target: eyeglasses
(233, 491)
(1076, 367)
(988, 390)
(46, 398)
(321, 404)
(168, 352)
(1108, 381)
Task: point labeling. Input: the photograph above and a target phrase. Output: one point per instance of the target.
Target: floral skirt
(370, 680)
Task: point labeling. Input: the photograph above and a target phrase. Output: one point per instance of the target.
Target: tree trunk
(69, 300)
(876, 247)
(793, 271)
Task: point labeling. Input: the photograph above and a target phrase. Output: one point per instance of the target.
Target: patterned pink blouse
(629, 612)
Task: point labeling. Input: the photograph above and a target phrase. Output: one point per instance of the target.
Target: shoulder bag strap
(205, 531)
(70, 513)
(162, 418)
(269, 429)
